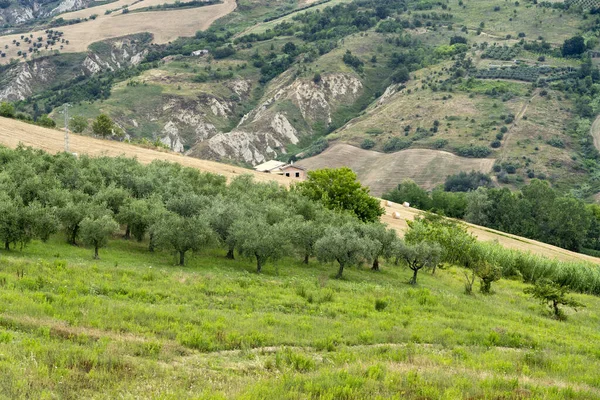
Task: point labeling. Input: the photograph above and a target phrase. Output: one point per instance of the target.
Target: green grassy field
(132, 325)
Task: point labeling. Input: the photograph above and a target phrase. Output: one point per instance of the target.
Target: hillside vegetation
(512, 82)
(250, 313)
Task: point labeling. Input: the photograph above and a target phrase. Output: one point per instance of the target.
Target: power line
(66, 113)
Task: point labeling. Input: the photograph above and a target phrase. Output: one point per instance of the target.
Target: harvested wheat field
(165, 26)
(485, 234)
(14, 132)
(382, 172)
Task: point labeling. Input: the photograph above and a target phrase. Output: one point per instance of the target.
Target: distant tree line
(537, 211)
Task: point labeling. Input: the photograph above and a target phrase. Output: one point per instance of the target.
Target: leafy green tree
(383, 239)
(409, 191)
(183, 234)
(339, 190)
(569, 222)
(305, 234)
(103, 126)
(137, 216)
(78, 124)
(344, 245)
(96, 231)
(9, 221)
(418, 256)
(114, 197)
(573, 46)
(188, 204)
(488, 273)
(7, 110)
(478, 207)
(401, 75)
(221, 218)
(75, 210)
(255, 238)
(452, 237)
(44, 221)
(554, 296)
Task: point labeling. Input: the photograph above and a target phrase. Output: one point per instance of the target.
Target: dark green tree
(554, 296)
(338, 189)
(96, 231)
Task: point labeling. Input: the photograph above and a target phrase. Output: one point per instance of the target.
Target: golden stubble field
(383, 171)
(165, 26)
(14, 132)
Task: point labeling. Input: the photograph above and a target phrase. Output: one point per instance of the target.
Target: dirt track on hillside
(14, 132)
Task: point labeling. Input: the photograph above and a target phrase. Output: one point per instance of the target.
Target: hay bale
(388, 203)
(406, 204)
(396, 215)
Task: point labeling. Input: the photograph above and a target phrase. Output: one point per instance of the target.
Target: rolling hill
(13, 133)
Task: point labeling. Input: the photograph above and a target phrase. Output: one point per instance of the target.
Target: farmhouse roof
(269, 166)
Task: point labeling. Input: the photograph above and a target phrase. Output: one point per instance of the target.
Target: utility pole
(66, 112)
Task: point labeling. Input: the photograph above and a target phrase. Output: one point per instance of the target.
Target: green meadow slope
(132, 325)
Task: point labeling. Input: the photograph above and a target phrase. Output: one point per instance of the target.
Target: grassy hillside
(13, 133)
(133, 325)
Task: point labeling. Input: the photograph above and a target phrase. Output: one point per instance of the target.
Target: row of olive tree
(182, 210)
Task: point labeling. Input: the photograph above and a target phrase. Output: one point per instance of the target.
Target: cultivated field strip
(14, 132)
(382, 172)
(165, 26)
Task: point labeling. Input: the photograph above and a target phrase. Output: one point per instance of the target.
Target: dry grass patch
(382, 172)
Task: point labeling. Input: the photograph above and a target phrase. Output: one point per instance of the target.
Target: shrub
(396, 144)
(367, 144)
(7, 110)
(556, 142)
(495, 144)
(380, 304)
(473, 151)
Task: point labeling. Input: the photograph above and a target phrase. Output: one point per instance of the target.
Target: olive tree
(9, 221)
(182, 234)
(257, 239)
(138, 215)
(221, 218)
(553, 295)
(96, 231)
(418, 256)
(383, 239)
(305, 234)
(344, 245)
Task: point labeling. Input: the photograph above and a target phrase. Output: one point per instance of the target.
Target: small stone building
(281, 168)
